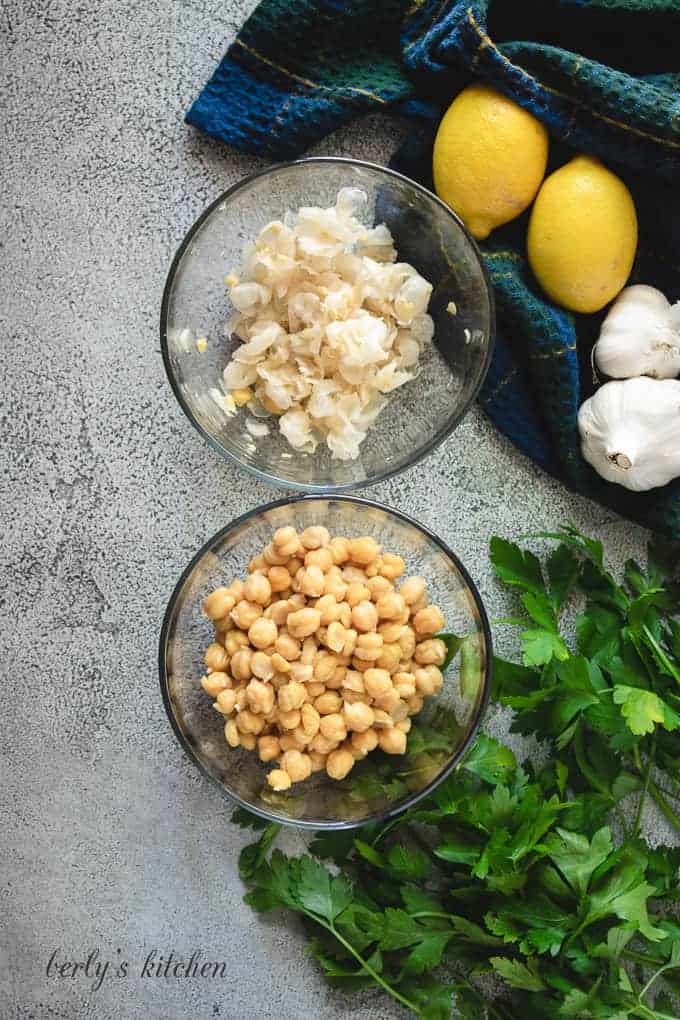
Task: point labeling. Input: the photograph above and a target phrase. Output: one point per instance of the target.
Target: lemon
(489, 158)
(582, 235)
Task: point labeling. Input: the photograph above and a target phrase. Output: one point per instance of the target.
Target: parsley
(526, 874)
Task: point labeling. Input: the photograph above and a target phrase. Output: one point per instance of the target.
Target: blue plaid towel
(602, 75)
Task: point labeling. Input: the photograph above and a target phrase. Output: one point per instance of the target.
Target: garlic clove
(630, 432)
(640, 336)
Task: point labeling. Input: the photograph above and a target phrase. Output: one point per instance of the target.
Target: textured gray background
(109, 838)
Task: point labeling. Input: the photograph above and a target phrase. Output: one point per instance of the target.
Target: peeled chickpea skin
(318, 658)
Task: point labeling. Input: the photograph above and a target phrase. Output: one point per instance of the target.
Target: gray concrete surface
(109, 838)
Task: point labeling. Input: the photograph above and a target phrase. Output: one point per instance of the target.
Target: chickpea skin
(358, 717)
(363, 550)
(332, 727)
(304, 622)
(268, 748)
(428, 620)
(365, 616)
(279, 780)
(392, 741)
(263, 633)
(339, 764)
(216, 658)
(219, 603)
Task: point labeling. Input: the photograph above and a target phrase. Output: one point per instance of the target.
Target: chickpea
(365, 616)
(318, 760)
(363, 550)
(236, 588)
(322, 744)
(388, 701)
(339, 764)
(364, 743)
(404, 684)
(249, 722)
(268, 748)
(219, 603)
(334, 638)
(224, 624)
(279, 579)
(332, 727)
(339, 548)
(407, 643)
(428, 620)
(404, 726)
(369, 646)
(429, 680)
(390, 631)
(279, 680)
(311, 581)
(392, 741)
(248, 741)
(257, 565)
(321, 558)
(390, 606)
(377, 682)
(260, 697)
(335, 586)
(378, 586)
(314, 689)
(373, 569)
(361, 665)
(279, 780)
(287, 742)
(415, 704)
(294, 565)
(226, 702)
(392, 566)
(430, 652)
(263, 633)
(261, 666)
(244, 614)
(353, 697)
(301, 672)
(310, 719)
(289, 720)
(400, 712)
(287, 646)
(351, 637)
(297, 765)
(328, 703)
(356, 593)
(337, 680)
(292, 695)
(353, 681)
(328, 608)
(309, 651)
(358, 717)
(352, 574)
(389, 658)
(216, 658)
(412, 589)
(382, 718)
(284, 537)
(241, 700)
(304, 622)
(324, 667)
(214, 683)
(345, 615)
(279, 664)
(275, 557)
(315, 537)
(278, 612)
(231, 734)
(301, 738)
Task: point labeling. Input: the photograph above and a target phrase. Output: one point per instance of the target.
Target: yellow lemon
(489, 158)
(582, 235)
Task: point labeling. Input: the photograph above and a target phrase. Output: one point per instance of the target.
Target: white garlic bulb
(640, 336)
(630, 432)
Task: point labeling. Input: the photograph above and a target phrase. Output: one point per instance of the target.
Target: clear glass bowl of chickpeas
(326, 662)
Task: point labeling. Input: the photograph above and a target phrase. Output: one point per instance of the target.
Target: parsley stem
(653, 978)
(433, 913)
(647, 778)
(664, 806)
(366, 966)
(654, 644)
(634, 957)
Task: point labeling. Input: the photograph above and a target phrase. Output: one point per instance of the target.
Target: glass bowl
(381, 785)
(420, 414)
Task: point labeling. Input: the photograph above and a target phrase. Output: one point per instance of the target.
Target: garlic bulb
(630, 432)
(640, 336)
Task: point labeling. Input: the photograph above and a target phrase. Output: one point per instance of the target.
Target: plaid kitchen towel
(602, 75)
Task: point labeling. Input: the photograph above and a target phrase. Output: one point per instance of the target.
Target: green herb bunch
(531, 875)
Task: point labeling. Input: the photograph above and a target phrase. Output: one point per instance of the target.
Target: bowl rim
(409, 802)
(318, 488)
